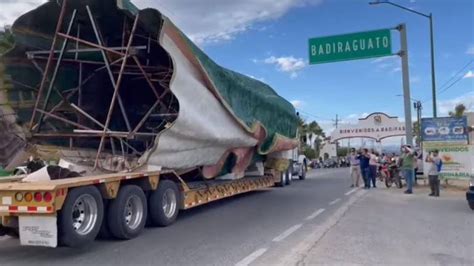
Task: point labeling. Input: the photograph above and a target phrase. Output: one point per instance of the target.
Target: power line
(452, 84)
(457, 73)
(312, 115)
(442, 88)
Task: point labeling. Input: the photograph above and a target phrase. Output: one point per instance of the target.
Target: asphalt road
(232, 231)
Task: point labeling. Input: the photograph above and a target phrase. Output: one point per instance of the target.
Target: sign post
(406, 83)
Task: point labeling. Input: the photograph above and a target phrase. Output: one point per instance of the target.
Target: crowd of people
(365, 164)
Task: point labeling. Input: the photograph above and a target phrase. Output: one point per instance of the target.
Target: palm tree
(302, 130)
(458, 110)
(314, 130)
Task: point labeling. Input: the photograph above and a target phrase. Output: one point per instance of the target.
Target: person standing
(433, 173)
(364, 167)
(408, 166)
(373, 168)
(355, 168)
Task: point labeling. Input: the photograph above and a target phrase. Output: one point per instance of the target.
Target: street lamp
(430, 17)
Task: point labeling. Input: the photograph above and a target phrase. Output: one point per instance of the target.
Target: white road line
(350, 191)
(288, 232)
(315, 214)
(334, 201)
(250, 258)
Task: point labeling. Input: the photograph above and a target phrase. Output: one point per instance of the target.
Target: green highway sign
(351, 46)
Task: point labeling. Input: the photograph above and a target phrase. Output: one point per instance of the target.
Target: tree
(302, 130)
(458, 110)
(6, 40)
(312, 132)
(342, 151)
(309, 153)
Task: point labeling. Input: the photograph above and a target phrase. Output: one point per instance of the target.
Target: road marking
(288, 232)
(350, 191)
(334, 201)
(315, 214)
(296, 254)
(250, 258)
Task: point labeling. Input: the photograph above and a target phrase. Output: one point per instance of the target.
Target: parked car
(470, 194)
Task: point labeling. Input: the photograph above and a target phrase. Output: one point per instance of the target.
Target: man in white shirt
(373, 168)
(433, 172)
(355, 168)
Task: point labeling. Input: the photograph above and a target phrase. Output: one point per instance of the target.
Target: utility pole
(336, 122)
(402, 28)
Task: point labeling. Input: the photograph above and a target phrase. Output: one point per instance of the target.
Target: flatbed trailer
(74, 211)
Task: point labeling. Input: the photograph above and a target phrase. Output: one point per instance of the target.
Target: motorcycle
(393, 176)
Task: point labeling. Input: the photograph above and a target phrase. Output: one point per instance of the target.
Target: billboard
(444, 129)
(458, 159)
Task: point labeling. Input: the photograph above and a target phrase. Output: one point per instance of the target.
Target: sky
(268, 40)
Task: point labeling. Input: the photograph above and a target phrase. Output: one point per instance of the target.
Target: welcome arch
(377, 126)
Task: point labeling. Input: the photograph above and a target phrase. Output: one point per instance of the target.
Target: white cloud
(469, 75)
(208, 21)
(205, 21)
(445, 106)
(396, 69)
(470, 50)
(297, 103)
(384, 59)
(287, 64)
(354, 118)
(12, 9)
(390, 64)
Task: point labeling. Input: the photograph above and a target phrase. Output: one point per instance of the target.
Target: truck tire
(471, 205)
(164, 203)
(80, 219)
(289, 175)
(282, 182)
(303, 173)
(127, 213)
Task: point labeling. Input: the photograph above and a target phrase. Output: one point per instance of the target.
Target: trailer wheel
(81, 216)
(164, 203)
(127, 213)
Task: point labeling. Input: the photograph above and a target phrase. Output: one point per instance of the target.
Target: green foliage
(342, 151)
(309, 152)
(6, 40)
(458, 110)
(310, 130)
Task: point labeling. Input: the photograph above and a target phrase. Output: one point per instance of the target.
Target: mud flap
(38, 231)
